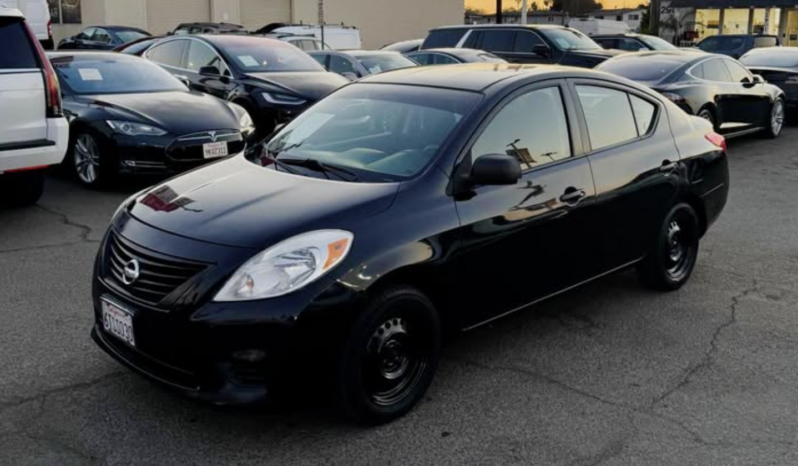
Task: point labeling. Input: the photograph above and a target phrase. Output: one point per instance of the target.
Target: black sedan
(354, 64)
(273, 80)
(453, 56)
(102, 38)
(778, 66)
(714, 87)
(127, 115)
(404, 204)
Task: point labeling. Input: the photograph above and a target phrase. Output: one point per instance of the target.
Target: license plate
(213, 150)
(118, 322)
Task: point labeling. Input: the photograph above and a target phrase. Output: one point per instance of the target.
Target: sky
(490, 5)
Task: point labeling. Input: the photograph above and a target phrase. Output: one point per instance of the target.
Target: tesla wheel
(21, 189)
(708, 115)
(776, 121)
(86, 161)
(390, 356)
(671, 260)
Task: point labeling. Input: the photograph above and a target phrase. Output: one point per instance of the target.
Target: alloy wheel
(777, 117)
(87, 159)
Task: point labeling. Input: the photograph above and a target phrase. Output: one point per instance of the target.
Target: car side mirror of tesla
(495, 170)
(542, 50)
(209, 71)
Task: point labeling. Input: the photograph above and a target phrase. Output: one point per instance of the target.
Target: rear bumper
(49, 152)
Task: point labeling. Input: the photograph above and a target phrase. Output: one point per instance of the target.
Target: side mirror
(495, 170)
(542, 50)
(350, 76)
(209, 71)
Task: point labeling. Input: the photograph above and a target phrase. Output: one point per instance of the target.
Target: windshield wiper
(322, 167)
(271, 157)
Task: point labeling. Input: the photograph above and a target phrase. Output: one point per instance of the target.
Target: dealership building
(380, 21)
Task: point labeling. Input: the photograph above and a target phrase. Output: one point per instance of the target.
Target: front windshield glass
(570, 39)
(255, 55)
(113, 76)
(657, 43)
(384, 62)
(377, 132)
(778, 58)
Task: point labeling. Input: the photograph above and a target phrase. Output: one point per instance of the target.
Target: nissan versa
(400, 206)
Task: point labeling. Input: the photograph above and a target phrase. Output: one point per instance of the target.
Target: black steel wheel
(390, 356)
(672, 258)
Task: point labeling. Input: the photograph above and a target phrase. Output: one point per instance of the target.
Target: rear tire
(21, 189)
(672, 257)
(709, 115)
(389, 357)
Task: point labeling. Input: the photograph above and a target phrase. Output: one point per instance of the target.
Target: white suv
(33, 131)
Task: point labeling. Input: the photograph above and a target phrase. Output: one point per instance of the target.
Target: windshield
(266, 55)
(381, 133)
(650, 69)
(130, 36)
(384, 62)
(778, 58)
(657, 43)
(570, 39)
(113, 76)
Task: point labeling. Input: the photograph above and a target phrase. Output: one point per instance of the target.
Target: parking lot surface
(608, 374)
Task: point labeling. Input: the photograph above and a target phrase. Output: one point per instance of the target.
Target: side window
(102, 36)
(765, 41)
(738, 73)
(322, 59)
(422, 59)
(534, 137)
(606, 43)
(341, 65)
(644, 114)
(608, 114)
(444, 38)
(714, 70)
(440, 59)
(308, 45)
(200, 55)
(86, 34)
(631, 45)
(525, 41)
(498, 41)
(170, 53)
(18, 51)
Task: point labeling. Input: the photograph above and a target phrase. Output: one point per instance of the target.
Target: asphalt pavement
(609, 374)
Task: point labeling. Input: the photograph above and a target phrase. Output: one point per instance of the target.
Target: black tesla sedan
(102, 38)
(127, 115)
(404, 204)
(714, 87)
(452, 56)
(273, 80)
(778, 66)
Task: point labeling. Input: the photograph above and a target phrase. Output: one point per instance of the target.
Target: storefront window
(766, 23)
(735, 21)
(707, 23)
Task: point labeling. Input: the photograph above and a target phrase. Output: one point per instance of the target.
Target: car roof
(117, 28)
(370, 53)
(681, 55)
(222, 40)
(89, 55)
(504, 25)
(454, 51)
(10, 13)
(477, 77)
(220, 25)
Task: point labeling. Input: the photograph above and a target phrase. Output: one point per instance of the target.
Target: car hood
(178, 112)
(237, 203)
(311, 85)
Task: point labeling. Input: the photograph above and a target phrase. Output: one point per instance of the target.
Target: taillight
(717, 140)
(52, 88)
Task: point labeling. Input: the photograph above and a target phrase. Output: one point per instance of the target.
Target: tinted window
(713, 70)
(532, 136)
(264, 56)
(101, 35)
(382, 63)
(130, 36)
(440, 59)
(498, 41)
(765, 42)
(200, 55)
(644, 114)
(609, 116)
(113, 76)
(606, 43)
(443, 38)
(738, 73)
(716, 43)
(649, 69)
(422, 58)
(86, 34)
(322, 59)
(570, 39)
(525, 41)
(341, 65)
(18, 51)
(631, 45)
(169, 53)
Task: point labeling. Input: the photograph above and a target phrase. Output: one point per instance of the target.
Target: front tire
(389, 357)
(776, 121)
(86, 162)
(672, 257)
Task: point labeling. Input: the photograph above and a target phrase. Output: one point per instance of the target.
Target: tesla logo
(131, 272)
(212, 135)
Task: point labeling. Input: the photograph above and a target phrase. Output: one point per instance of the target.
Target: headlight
(134, 129)
(282, 99)
(287, 266)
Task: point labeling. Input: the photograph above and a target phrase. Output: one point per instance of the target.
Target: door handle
(572, 196)
(668, 167)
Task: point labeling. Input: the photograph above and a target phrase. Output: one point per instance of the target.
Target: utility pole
(653, 17)
(499, 8)
(524, 8)
(321, 21)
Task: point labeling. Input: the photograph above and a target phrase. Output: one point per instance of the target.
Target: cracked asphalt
(609, 374)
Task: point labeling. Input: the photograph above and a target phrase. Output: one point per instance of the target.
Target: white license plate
(213, 150)
(118, 323)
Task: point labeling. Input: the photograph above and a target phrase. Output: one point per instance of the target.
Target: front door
(526, 241)
(218, 83)
(750, 104)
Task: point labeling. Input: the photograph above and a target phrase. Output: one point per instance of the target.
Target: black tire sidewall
(653, 269)
(21, 189)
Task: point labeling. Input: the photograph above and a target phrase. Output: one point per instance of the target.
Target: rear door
(22, 96)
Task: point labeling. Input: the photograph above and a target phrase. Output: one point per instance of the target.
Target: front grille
(189, 147)
(158, 277)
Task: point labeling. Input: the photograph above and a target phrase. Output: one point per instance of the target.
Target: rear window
(18, 52)
(765, 42)
(778, 58)
(443, 38)
(717, 43)
(650, 69)
(382, 63)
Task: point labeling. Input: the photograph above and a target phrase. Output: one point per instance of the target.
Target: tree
(645, 19)
(533, 6)
(471, 11)
(576, 7)
(676, 23)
